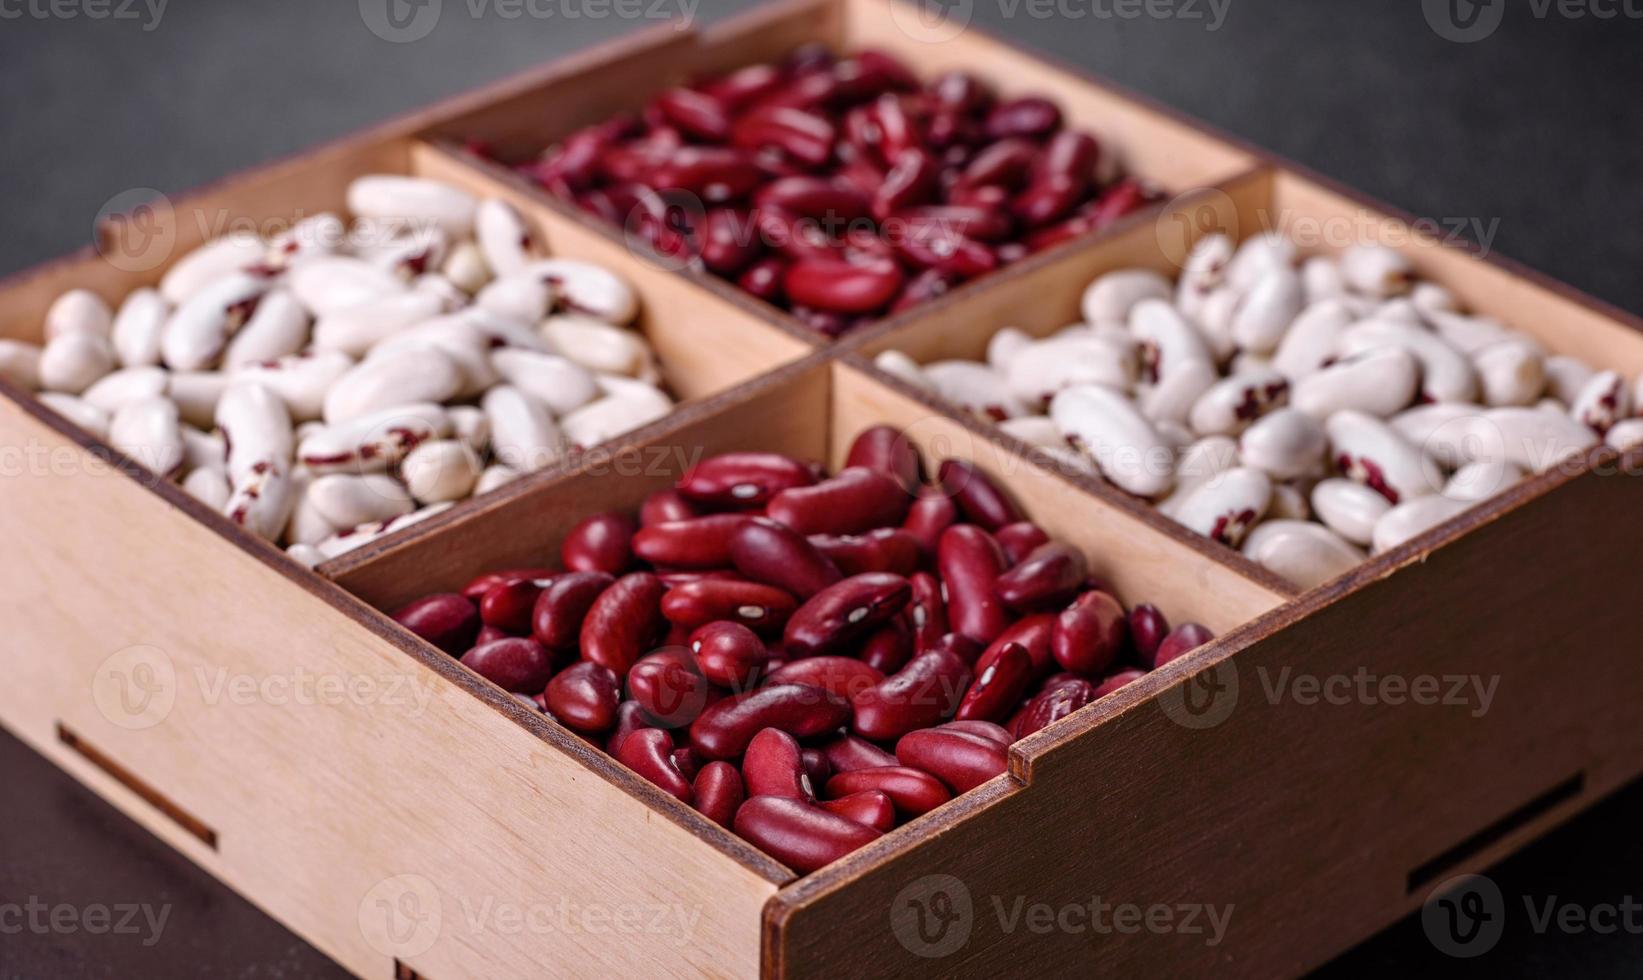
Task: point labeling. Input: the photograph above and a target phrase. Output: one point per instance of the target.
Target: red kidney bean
(921, 694)
(957, 758)
(945, 250)
(801, 835)
(585, 696)
(743, 480)
(718, 792)
(1148, 627)
(1050, 576)
(489, 634)
(961, 647)
(630, 717)
(870, 807)
(816, 766)
(762, 608)
(447, 620)
(649, 752)
(1116, 680)
(697, 113)
(508, 607)
(685, 760)
(776, 555)
(855, 501)
(832, 204)
(1182, 640)
(913, 791)
(980, 729)
(998, 686)
(1019, 539)
(922, 288)
(764, 279)
(976, 495)
(1035, 634)
(1048, 199)
(805, 136)
(773, 767)
(1054, 704)
(840, 286)
(1002, 164)
(1070, 155)
(730, 241)
(666, 506)
(716, 175)
(914, 179)
(729, 654)
(888, 549)
(843, 613)
(983, 221)
(931, 514)
(556, 619)
(1030, 117)
(927, 610)
(1090, 634)
(888, 450)
(624, 622)
(1125, 197)
(847, 753)
(701, 543)
(517, 664)
(601, 543)
(482, 584)
(745, 86)
(888, 648)
(970, 562)
(727, 726)
(844, 676)
(670, 687)
(962, 92)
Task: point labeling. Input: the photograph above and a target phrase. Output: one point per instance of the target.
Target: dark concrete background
(1532, 132)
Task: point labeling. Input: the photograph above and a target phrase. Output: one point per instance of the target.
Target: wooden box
(410, 819)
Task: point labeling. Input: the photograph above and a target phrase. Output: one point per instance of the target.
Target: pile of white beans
(1301, 410)
(332, 383)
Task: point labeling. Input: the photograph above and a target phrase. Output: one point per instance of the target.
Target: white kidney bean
(1267, 310)
(1310, 342)
(905, 369)
(278, 327)
(1443, 431)
(440, 472)
(357, 329)
(305, 525)
(148, 431)
(1289, 503)
(1305, 553)
(73, 361)
(1197, 465)
(1003, 347)
(518, 297)
(558, 382)
(1213, 317)
(211, 262)
(197, 394)
(1626, 436)
(1258, 255)
(1430, 298)
(524, 435)
(1376, 270)
(606, 418)
(1533, 439)
(198, 332)
(582, 287)
(1445, 373)
(1045, 367)
(374, 442)
(347, 500)
(1113, 296)
(1171, 399)
(1467, 334)
(1286, 444)
(1414, 518)
(93, 420)
(1124, 444)
(1371, 452)
(78, 311)
(1205, 269)
(464, 269)
(975, 388)
(1034, 430)
(204, 450)
(1603, 401)
(126, 385)
(416, 201)
(329, 283)
(1168, 341)
(1226, 507)
(139, 328)
(1482, 480)
(301, 380)
(257, 430)
(1378, 382)
(401, 378)
(343, 542)
(209, 487)
(596, 345)
(1349, 509)
(261, 502)
(20, 364)
(1230, 406)
(495, 476)
(470, 426)
(503, 237)
(316, 235)
(1566, 377)
(1511, 374)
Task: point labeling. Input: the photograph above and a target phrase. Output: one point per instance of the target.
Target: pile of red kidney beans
(842, 189)
(808, 660)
